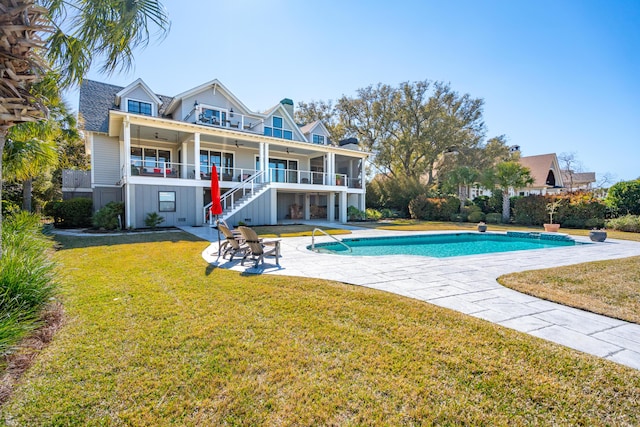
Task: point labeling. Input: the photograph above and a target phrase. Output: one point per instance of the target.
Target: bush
(393, 192)
(490, 204)
(70, 213)
(107, 217)
(26, 277)
(153, 220)
(433, 209)
(355, 214)
(388, 213)
(476, 217)
(624, 197)
(530, 210)
(581, 210)
(629, 223)
(373, 214)
(493, 218)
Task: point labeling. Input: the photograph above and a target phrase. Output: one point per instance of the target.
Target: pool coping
(468, 285)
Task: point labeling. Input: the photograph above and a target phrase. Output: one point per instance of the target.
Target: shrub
(355, 214)
(26, 277)
(393, 192)
(581, 210)
(493, 218)
(530, 210)
(476, 217)
(433, 209)
(629, 223)
(70, 213)
(107, 217)
(373, 214)
(153, 220)
(624, 197)
(388, 213)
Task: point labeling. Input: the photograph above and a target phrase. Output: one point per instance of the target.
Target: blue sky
(556, 76)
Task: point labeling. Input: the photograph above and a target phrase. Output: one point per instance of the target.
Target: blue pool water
(446, 245)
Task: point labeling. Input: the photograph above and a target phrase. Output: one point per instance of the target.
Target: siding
(255, 213)
(106, 160)
(145, 201)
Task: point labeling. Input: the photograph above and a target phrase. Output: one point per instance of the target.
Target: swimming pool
(446, 245)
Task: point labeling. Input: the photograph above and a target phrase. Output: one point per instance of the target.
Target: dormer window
(276, 129)
(318, 139)
(139, 107)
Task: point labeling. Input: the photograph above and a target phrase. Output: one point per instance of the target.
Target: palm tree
(66, 36)
(463, 177)
(29, 150)
(508, 175)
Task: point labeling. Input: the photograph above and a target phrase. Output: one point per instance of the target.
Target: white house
(155, 154)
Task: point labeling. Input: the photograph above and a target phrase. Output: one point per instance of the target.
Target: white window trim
(154, 107)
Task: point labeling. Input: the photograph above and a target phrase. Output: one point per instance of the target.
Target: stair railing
(248, 186)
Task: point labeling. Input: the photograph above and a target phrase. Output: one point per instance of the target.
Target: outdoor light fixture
(231, 112)
(195, 104)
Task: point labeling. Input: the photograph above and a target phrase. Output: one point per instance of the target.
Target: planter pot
(482, 228)
(598, 236)
(552, 228)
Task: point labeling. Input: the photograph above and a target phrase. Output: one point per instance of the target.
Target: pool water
(446, 245)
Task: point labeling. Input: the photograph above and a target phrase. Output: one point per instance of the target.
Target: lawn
(155, 336)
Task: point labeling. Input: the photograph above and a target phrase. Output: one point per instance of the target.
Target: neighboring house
(576, 181)
(155, 154)
(547, 176)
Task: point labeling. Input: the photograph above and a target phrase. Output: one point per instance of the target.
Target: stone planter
(482, 228)
(598, 235)
(552, 228)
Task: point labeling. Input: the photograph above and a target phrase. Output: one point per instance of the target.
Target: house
(577, 181)
(547, 176)
(155, 153)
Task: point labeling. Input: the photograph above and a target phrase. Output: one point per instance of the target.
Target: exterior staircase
(238, 197)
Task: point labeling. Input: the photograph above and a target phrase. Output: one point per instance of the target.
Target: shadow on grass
(85, 241)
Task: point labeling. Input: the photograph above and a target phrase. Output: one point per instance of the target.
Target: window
(276, 129)
(139, 107)
(223, 161)
(318, 139)
(167, 201)
(150, 157)
(213, 117)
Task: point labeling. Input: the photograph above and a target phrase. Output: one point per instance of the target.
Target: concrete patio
(468, 285)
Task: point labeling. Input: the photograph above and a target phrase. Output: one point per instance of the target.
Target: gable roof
(141, 83)
(271, 111)
(540, 166)
(215, 83)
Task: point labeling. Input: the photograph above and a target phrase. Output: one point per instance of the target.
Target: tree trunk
(3, 133)
(506, 206)
(27, 186)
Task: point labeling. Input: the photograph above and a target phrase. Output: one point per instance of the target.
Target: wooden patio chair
(259, 248)
(234, 243)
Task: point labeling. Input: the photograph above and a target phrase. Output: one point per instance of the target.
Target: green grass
(155, 336)
(296, 230)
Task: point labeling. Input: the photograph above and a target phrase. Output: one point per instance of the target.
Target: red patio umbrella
(216, 207)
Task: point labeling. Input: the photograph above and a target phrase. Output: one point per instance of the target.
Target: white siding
(106, 160)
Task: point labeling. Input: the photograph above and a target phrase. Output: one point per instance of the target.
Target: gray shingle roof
(96, 99)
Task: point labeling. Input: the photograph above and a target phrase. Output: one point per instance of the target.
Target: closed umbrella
(216, 207)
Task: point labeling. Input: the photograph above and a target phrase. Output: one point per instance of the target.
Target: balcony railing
(233, 121)
(161, 169)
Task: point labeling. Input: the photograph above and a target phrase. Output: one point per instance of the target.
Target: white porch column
(196, 153)
(307, 207)
(127, 171)
(331, 206)
(362, 202)
(264, 161)
(331, 166)
(343, 207)
(184, 166)
(273, 217)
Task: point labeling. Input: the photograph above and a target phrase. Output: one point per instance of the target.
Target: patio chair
(234, 243)
(258, 247)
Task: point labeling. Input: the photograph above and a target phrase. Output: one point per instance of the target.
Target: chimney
(288, 105)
